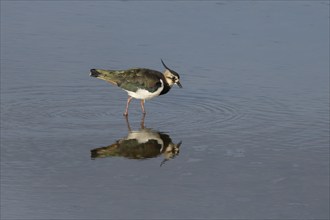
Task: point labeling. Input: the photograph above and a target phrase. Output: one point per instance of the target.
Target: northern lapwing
(140, 83)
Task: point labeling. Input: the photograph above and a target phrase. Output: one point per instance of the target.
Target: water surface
(253, 114)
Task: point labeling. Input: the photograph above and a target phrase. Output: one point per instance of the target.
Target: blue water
(253, 113)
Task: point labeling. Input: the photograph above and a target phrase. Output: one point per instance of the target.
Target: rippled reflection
(142, 144)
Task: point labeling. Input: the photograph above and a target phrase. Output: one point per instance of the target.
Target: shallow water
(253, 114)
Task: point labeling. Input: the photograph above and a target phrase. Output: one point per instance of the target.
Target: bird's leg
(127, 104)
(142, 121)
(142, 106)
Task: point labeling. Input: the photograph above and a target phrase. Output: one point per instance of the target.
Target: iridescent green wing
(138, 78)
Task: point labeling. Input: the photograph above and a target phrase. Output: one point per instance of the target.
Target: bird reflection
(142, 144)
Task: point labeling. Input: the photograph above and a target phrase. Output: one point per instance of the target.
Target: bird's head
(171, 76)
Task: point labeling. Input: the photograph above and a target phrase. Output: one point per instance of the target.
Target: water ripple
(40, 107)
(198, 111)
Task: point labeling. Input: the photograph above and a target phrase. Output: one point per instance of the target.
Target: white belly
(145, 94)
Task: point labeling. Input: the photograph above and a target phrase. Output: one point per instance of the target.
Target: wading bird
(140, 83)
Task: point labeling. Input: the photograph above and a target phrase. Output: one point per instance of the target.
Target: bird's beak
(179, 84)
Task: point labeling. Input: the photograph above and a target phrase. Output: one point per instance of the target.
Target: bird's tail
(106, 75)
